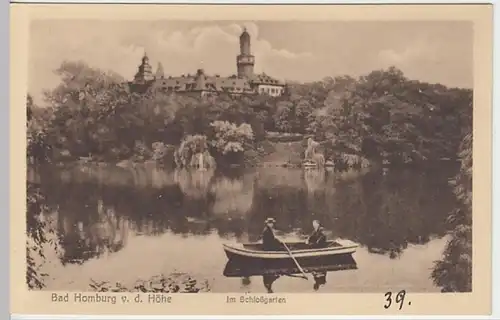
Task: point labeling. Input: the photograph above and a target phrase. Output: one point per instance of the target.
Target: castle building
(244, 82)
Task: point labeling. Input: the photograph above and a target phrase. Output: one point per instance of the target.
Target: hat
(270, 220)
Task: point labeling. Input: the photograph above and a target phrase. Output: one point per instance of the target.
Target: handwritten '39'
(400, 298)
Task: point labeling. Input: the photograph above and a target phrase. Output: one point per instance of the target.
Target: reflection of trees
(38, 234)
(233, 194)
(194, 183)
(230, 226)
(314, 180)
(285, 204)
(144, 175)
(383, 212)
(279, 177)
(93, 230)
(396, 210)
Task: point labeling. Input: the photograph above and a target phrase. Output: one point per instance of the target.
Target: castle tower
(144, 72)
(160, 74)
(200, 80)
(245, 60)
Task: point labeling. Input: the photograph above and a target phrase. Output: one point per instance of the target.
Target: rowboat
(300, 251)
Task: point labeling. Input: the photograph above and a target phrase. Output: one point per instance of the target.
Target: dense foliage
(382, 116)
(385, 116)
(454, 272)
(38, 232)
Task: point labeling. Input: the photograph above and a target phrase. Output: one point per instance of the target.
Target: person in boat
(269, 240)
(317, 239)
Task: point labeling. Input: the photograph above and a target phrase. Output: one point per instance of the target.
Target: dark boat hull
(250, 259)
(241, 267)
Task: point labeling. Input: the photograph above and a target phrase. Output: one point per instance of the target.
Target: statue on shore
(311, 155)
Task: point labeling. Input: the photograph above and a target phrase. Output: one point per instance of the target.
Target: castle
(244, 82)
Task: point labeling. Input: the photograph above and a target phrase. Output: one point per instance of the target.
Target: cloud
(435, 61)
(416, 50)
(217, 46)
(119, 47)
(439, 52)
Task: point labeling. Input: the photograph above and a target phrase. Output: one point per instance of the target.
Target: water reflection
(318, 278)
(97, 208)
(272, 271)
(268, 281)
(194, 184)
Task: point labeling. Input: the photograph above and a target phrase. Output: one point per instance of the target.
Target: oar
(295, 260)
(293, 276)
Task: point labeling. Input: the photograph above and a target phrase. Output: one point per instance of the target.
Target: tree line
(382, 116)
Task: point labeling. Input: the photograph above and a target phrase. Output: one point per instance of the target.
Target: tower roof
(245, 34)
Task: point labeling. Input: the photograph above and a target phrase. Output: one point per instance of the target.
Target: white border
(4, 137)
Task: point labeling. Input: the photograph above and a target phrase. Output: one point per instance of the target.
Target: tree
(383, 116)
(283, 116)
(37, 231)
(231, 140)
(38, 150)
(77, 80)
(453, 273)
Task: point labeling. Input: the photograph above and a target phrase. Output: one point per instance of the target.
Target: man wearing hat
(269, 240)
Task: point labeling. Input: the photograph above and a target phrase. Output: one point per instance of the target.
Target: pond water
(118, 224)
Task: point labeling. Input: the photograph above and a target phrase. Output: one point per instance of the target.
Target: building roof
(265, 79)
(245, 34)
(201, 81)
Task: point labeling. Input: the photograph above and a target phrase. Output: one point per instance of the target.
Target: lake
(122, 224)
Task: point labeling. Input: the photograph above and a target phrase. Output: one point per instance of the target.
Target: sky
(431, 51)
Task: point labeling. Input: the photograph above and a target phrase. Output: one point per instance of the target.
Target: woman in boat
(317, 239)
(269, 240)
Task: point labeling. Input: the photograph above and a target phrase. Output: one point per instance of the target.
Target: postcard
(251, 159)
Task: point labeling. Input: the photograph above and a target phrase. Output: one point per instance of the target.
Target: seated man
(317, 239)
(269, 240)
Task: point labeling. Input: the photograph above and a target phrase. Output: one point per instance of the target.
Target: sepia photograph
(249, 156)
